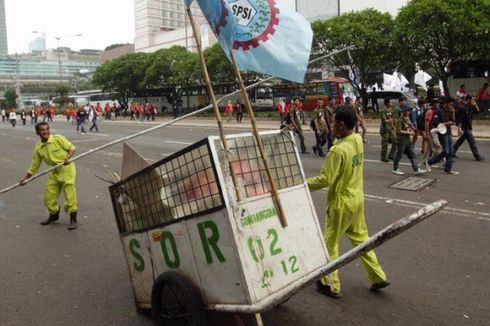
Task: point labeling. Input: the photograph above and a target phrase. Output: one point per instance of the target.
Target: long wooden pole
(214, 102)
(248, 105)
(165, 124)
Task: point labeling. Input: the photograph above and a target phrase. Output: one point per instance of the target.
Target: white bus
(93, 97)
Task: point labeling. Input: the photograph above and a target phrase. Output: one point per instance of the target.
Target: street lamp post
(58, 38)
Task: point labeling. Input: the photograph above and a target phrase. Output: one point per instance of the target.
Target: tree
(437, 33)
(175, 68)
(62, 91)
(221, 70)
(115, 46)
(123, 76)
(370, 31)
(10, 99)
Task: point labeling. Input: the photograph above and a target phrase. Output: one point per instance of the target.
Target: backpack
(421, 120)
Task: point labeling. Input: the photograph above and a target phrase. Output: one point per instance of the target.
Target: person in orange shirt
(229, 111)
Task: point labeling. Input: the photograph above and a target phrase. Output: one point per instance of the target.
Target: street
(49, 276)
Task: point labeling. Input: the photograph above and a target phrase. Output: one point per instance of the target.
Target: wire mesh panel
(176, 187)
(247, 165)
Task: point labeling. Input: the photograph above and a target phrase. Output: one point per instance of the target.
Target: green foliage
(62, 90)
(370, 31)
(114, 46)
(221, 70)
(123, 75)
(219, 67)
(437, 33)
(10, 99)
(174, 66)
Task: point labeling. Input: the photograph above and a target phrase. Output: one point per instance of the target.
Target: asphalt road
(49, 276)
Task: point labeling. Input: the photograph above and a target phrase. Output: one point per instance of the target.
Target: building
(35, 74)
(3, 31)
(164, 23)
(116, 52)
(37, 44)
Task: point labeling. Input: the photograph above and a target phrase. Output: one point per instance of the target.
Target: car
(394, 95)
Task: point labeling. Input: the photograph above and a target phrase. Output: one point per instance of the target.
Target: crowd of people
(433, 120)
(41, 113)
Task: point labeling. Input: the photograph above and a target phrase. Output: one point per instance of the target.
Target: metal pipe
(376, 240)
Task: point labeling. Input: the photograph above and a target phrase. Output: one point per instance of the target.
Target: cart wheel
(176, 301)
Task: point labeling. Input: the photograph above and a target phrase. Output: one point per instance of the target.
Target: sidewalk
(481, 129)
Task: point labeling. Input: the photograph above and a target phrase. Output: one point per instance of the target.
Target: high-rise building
(163, 23)
(3, 31)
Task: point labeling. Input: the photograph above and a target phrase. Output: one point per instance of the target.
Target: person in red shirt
(484, 96)
(229, 111)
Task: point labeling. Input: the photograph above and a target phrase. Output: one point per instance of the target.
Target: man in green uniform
(342, 172)
(319, 126)
(54, 150)
(387, 131)
(295, 122)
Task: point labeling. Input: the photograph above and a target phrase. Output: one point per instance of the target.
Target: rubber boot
(73, 221)
(51, 218)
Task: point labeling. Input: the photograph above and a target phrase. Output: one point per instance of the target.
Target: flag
(421, 79)
(220, 19)
(271, 39)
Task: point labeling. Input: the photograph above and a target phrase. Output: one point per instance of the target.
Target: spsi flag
(270, 38)
(220, 19)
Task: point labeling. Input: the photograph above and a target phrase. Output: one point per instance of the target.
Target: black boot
(51, 218)
(73, 221)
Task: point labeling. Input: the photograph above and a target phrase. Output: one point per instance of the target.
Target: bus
(92, 97)
(336, 87)
(196, 97)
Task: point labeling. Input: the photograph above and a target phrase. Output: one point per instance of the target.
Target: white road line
(178, 142)
(448, 210)
(387, 163)
(84, 141)
(95, 134)
(419, 149)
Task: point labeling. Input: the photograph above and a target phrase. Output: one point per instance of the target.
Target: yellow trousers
(61, 179)
(346, 216)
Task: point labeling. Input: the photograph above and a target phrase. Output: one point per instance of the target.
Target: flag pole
(248, 105)
(214, 102)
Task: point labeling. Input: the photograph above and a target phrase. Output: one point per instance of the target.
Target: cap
(435, 100)
(348, 99)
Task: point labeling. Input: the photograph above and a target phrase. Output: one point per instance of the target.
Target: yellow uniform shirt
(52, 152)
(342, 170)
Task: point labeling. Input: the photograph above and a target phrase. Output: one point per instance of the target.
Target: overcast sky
(101, 23)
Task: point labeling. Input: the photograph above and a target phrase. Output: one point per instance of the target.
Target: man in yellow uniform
(342, 173)
(54, 150)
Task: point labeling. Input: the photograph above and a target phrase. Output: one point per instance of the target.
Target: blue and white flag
(220, 19)
(270, 38)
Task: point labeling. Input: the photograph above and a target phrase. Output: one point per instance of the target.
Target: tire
(176, 301)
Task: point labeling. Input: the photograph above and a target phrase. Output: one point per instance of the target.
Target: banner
(220, 19)
(271, 39)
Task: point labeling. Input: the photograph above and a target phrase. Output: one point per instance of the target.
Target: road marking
(95, 134)
(419, 149)
(178, 142)
(448, 210)
(85, 141)
(387, 163)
